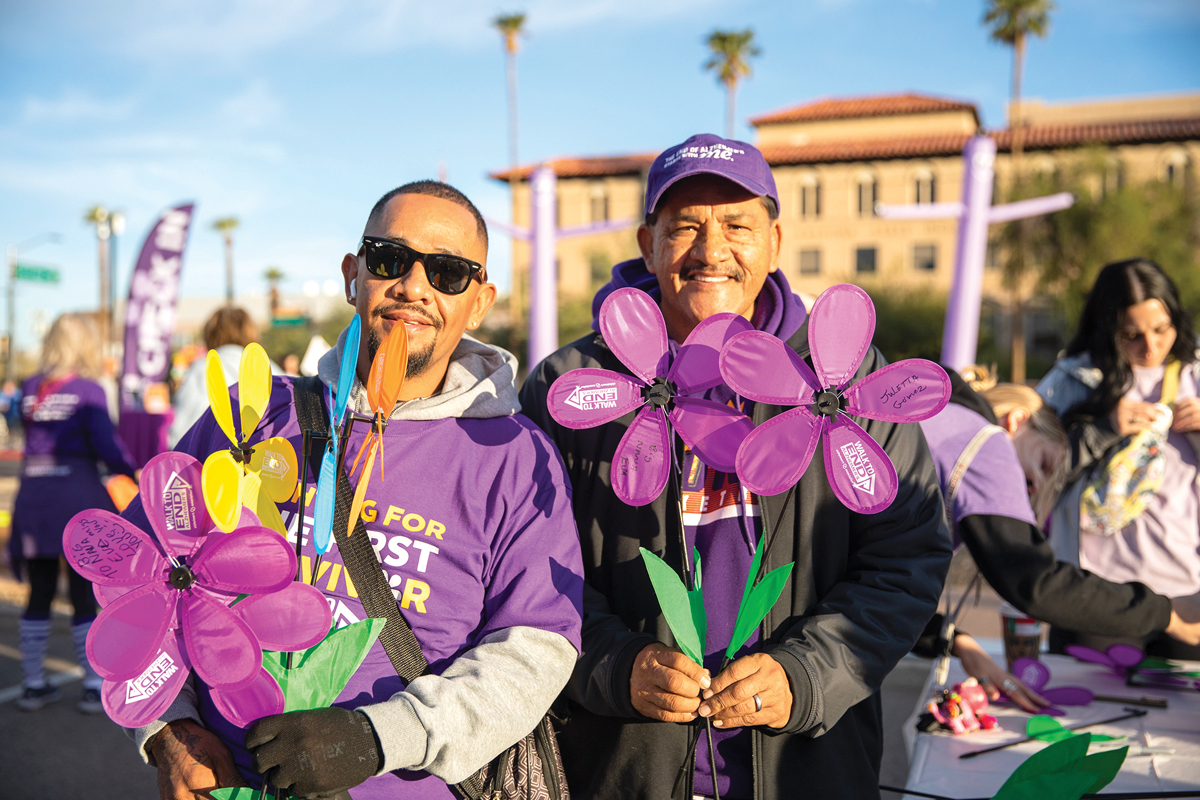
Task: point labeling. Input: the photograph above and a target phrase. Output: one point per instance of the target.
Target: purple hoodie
(722, 521)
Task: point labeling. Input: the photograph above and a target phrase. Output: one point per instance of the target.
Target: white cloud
(254, 107)
(73, 105)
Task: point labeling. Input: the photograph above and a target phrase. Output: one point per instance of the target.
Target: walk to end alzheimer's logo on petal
(151, 680)
(593, 397)
(179, 504)
(858, 466)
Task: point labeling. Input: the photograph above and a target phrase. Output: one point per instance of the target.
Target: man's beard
(418, 360)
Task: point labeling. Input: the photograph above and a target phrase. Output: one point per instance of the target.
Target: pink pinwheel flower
(633, 329)
(167, 602)
(775, 454)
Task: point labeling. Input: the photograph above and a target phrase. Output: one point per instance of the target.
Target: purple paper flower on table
(775, 454)
(633, 329)
(167, 601)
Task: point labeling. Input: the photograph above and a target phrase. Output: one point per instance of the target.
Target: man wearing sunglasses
(469, 515)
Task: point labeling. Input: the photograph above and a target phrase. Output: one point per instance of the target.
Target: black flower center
(182, 577)
(660, 393)
(241, 452)
(828, 403)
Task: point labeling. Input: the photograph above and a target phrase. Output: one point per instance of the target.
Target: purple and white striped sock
(35, 638)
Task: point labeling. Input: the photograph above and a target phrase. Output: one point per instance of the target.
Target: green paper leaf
(678, 606)
(1048, 729)
(1057, 786)
(319, 674)
(237, 793)
(699, 615)
(1104, 766)
(757, 601)
(1064, 756)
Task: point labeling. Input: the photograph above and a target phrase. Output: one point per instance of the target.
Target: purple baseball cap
(709, 154)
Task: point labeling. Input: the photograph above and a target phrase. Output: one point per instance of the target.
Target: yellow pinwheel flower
(256, 476)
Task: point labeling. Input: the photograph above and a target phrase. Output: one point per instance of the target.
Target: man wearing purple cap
(797, 712)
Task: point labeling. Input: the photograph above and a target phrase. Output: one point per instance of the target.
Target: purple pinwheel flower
(166, 603)
(633, 329)
(775, 454)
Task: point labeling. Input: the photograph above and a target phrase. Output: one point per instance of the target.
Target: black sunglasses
(446, 273)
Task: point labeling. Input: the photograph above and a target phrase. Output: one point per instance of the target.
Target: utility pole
(116, 222)
(98, 216)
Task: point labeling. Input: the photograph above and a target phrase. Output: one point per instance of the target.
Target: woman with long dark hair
(1134, 339)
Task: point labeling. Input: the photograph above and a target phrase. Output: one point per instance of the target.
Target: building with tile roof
(834, 158)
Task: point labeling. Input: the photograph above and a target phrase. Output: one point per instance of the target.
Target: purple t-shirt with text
(474, 531)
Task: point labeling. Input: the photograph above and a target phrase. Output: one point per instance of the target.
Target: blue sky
(295, 115)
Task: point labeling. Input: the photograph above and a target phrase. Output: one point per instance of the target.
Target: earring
(353, 291)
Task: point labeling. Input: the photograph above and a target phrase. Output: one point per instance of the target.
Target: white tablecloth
(935, 766)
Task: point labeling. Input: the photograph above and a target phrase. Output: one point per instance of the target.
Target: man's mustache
(687, 273)
(410, 307)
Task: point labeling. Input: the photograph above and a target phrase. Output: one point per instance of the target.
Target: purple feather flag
(633, 329)
(775, 455)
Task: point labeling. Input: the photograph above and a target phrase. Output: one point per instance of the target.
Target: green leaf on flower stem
(681, 608)
(237, 793)
(757, 601)
(319, 674)
(1056, 786)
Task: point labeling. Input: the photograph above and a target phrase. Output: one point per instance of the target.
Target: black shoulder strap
(359, 557)
(362, 565)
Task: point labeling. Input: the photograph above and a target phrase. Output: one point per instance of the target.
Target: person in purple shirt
(471, 521)
(1000, 453)
(798, 710)
(67, 433)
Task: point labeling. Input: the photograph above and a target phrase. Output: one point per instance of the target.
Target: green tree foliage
(730, 60)
(1110, 221)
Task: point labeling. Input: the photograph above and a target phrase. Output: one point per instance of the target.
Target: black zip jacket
(861, 592)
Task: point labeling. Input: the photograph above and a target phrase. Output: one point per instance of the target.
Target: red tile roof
(1042, 137)
(874, 106)
(597, 167)
(1126, 132)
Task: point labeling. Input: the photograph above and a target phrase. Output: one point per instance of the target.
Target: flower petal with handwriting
(776, 454)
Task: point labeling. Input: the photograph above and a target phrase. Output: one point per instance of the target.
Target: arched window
(925, 186)
(810, 196)
(598, 201)
(1175, 167)
(866, 193)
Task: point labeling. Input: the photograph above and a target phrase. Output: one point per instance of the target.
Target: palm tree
(1012, 22)
(273, 275)
(511, 27)
(731, 53)
(226, 226)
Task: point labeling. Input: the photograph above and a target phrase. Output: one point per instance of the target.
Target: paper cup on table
(1022, 634)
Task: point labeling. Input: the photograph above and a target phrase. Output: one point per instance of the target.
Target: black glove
(315, 754)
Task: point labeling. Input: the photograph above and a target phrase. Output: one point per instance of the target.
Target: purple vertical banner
(149, 325)
(150, 312)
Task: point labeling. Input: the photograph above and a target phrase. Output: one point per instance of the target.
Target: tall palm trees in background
(226, 226)
(730, 59)
(1011, 22)
(511, 27)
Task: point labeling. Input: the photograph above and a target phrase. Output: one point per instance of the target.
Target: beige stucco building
(833, 159)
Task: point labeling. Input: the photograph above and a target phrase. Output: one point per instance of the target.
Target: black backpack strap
(362, 565)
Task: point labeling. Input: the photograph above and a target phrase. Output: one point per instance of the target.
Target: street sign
(35, 272)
